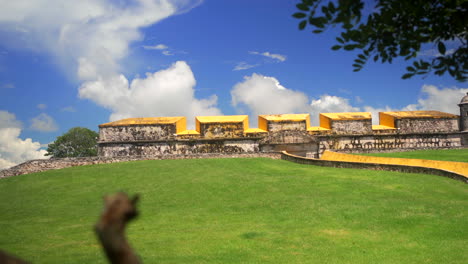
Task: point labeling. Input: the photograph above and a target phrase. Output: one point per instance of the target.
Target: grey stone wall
(375, 143)
(347, 127)
(178, 147)
(429, 125)
(137, 133)
(280, 126)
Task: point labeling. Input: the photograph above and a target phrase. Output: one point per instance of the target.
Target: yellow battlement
(178, 121)
(264, 119)
(388, 118)
(327, 118)
(222, 119)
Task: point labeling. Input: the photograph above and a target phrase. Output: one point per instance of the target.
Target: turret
(464, 113)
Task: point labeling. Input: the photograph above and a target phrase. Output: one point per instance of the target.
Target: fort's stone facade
(345, 132)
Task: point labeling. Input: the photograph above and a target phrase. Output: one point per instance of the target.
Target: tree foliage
(77, 142)
(396, 28)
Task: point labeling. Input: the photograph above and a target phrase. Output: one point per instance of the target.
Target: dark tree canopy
(396, 28)
(77, 142)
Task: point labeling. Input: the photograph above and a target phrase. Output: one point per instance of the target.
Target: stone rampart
(33, 166)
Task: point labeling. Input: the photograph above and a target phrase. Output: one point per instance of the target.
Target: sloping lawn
(431, 154)
(239, 211)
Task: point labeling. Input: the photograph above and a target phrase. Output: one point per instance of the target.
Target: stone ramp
(460, 168)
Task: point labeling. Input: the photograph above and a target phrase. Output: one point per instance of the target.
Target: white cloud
(267, 54)
(91, 37)
(70, 109)
(7, 86)
(41, 106)
(43, 123)
(444, 99)
(156, 47)
(167, 53)
(13, 149)
(265, 95)
(244, 66)
(169, 92)
(329, 104)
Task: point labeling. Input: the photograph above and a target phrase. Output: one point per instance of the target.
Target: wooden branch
(9, 259)
(119, 209)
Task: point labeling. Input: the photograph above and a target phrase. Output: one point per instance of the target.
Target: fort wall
(344, 132)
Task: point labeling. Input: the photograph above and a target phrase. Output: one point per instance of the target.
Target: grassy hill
(239, 211)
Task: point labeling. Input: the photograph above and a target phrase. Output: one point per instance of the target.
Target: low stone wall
(33, 166)
(378, 143)
(372, 166)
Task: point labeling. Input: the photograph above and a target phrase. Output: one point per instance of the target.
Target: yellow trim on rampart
(317, 128)
(255, 130)
(188, 132)
(457, 167)
(264, 119)
(146, 121)
(382, 127)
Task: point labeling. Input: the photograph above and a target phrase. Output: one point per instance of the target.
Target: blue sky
(83, 63)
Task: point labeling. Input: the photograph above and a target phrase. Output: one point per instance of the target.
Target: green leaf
(376, 57)
(441, 47)
(336, 47)
(317, 31)
(299, 15)
(361, 56)
(302, 7)
(349, 47)
(303, 24)
(410, 69)
(340, 40)
(407, 76)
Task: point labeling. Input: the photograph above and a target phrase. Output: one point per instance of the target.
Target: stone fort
(342, 132)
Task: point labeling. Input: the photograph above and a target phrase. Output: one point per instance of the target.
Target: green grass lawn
(431, 154)
(239, 211)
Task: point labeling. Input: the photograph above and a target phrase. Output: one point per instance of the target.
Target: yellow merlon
(457, 167)
(264, 119)
(348, 116)
(285, 117)
(419, 114)
(144, 121)
(222, 119)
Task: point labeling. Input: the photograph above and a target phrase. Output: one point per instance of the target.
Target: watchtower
(464, 113)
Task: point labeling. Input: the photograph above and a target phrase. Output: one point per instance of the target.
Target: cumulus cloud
(444, 99)
(265, 95)
(43, 123)
(277, 57)
(169, 92)
(92, 37)
(13, 149)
